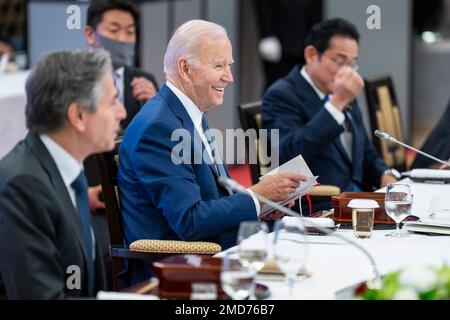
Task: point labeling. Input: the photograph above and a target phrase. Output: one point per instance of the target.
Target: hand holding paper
(279, 187)
(295, 165)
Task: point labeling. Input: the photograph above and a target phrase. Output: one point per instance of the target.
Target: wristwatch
(393, 173)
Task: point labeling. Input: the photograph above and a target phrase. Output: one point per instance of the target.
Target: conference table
(335, 265)
(12, 110)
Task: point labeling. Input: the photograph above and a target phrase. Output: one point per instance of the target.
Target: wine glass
(237, 280)
(398, 202)
(252, 246)
(290, 248)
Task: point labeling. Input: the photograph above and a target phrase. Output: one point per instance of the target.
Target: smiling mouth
(219, 89)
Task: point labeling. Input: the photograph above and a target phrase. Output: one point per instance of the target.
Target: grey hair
(60, 79)
(186, 40)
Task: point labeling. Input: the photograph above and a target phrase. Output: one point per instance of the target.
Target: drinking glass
(398, 202)
(253, 246)
(290, 248)
(237, 280)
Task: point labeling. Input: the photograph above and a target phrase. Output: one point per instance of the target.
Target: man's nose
(228, 76)
(122, 112)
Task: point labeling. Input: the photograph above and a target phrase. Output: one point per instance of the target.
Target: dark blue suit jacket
(306, 127)
(164, 200)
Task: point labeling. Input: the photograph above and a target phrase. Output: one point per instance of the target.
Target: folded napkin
(310, 222)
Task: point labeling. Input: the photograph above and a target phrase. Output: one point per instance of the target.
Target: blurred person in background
(283, 25)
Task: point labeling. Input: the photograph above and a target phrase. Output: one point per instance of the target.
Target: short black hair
(98, 7)
(320, 34)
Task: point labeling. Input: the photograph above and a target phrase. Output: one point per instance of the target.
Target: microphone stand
(385, 136)
(374, 283)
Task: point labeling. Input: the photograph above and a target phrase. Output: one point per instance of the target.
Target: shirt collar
(68, 166)
(194, 112)
(309, 80)
(119, 72)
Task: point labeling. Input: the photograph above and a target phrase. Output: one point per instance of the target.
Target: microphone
(385, 136)
(374, 283)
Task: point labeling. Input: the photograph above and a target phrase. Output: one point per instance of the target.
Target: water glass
(290, 248)
(237, 280)
(398, 203)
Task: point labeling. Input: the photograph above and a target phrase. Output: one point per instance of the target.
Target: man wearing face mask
(111, 25)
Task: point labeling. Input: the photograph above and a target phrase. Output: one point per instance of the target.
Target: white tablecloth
(12, 110)
(336, 265)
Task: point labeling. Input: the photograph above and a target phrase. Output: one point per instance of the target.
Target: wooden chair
(150, 250)
(384, 115)
(250, 118)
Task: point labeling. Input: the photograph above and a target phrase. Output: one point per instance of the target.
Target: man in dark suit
(283, 25)
(315, 110)
(168, 188)
(112, 25)
(48, 247)
(437, 144)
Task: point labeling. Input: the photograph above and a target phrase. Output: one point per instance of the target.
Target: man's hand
(94, 199)
(347, 85)
(387, 179)
(279, 186)
(5, 48)
(143, 89)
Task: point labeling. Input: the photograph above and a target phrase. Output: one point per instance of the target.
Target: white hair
(186, 40)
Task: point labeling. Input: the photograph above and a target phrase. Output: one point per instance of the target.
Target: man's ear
(183, 69)
(76, 116)
(89, 35)
(310, 53)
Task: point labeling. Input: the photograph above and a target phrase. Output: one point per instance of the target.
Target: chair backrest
(250, 118)
(107, 164)
(384, 115)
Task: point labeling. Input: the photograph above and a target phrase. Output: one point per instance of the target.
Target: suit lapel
(338, 144)
(314, 105)
(181, 113)
(358, 140)
(38, 148)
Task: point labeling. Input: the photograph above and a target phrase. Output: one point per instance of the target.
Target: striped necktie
(218, 163)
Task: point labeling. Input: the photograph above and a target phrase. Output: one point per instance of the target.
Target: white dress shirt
(69, 169)
(346, 137)
(196, 116)
(119, 78)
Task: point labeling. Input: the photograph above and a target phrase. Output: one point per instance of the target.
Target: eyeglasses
(340, 62)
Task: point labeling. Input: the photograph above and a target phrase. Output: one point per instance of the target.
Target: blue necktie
(80, 186)
(215, 154)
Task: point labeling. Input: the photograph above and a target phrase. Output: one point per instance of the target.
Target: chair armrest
(325, 191)
(175, 246)
(126, 253)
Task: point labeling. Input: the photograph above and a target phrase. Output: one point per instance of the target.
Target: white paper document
(296, 165)
(441, 226)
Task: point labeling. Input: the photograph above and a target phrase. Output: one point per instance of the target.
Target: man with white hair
(164, 198)
(48, 247)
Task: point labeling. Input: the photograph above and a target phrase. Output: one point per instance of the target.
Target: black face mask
(122, 53)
